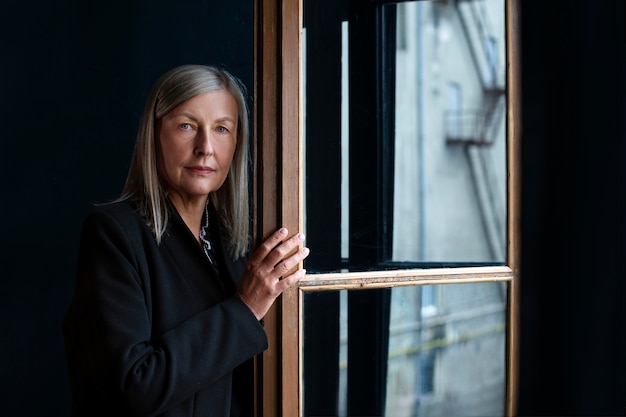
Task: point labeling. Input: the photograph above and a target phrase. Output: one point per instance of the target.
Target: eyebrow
(226, 119)
(195, 119)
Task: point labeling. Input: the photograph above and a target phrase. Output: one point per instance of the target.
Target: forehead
(212, 102)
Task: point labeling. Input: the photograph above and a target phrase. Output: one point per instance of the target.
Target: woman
(166, 313)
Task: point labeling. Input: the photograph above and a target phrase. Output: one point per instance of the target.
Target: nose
(203, 145)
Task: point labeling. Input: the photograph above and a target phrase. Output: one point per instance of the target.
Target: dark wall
(73, 79)
(573, 208)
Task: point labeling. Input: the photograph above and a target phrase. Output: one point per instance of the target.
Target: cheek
(171, 152)
(226, 152)
(167, 157)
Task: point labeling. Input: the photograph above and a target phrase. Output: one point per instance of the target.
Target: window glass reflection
(404, 134)
(407, 351)
(450, 160)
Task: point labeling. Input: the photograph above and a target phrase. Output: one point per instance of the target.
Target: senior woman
(165, 318)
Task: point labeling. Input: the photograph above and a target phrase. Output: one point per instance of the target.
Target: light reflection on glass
(444, 351)
(449, 139)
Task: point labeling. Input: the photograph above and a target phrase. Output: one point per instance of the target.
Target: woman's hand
(269, 271)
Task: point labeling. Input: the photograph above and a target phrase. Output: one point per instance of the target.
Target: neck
(192, 212)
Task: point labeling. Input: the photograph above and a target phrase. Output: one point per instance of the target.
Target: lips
(200, 170)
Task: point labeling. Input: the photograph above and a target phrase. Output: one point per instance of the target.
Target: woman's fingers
(275, 250)
(282, 269)
(271, 270)
(268, 244)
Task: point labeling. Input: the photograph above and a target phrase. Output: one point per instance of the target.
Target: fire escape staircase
(478, 127)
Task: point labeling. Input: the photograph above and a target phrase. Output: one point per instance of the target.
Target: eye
(185, 126)
(222, 129)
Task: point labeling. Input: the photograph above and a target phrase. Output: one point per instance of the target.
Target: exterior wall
(447, 342)
(449, 361)
(450, 204)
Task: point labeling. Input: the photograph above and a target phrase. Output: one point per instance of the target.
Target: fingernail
(305, 251)
(300, 236)
(283, 231)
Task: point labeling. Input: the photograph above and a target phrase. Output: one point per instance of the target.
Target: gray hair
(143, 185)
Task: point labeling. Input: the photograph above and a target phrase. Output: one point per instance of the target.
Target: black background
(573, 208)
(73, 79)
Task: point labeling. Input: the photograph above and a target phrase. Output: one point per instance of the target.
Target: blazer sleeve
(112, 325)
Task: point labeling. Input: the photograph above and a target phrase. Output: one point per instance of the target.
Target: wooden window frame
(278, 201)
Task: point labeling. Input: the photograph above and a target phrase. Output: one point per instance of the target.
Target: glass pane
(450, 137)
(407, 351)
(404, 134)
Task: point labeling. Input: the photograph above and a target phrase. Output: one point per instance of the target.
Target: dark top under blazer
(152, 330)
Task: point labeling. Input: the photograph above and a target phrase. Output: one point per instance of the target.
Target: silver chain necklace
(205, 237)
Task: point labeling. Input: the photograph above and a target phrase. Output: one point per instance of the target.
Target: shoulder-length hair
(143, 184)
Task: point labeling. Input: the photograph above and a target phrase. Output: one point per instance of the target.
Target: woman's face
(197, 141)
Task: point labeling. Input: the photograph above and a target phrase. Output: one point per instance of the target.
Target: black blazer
(153, 329)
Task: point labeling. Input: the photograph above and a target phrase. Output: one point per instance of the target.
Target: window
(414, 251)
